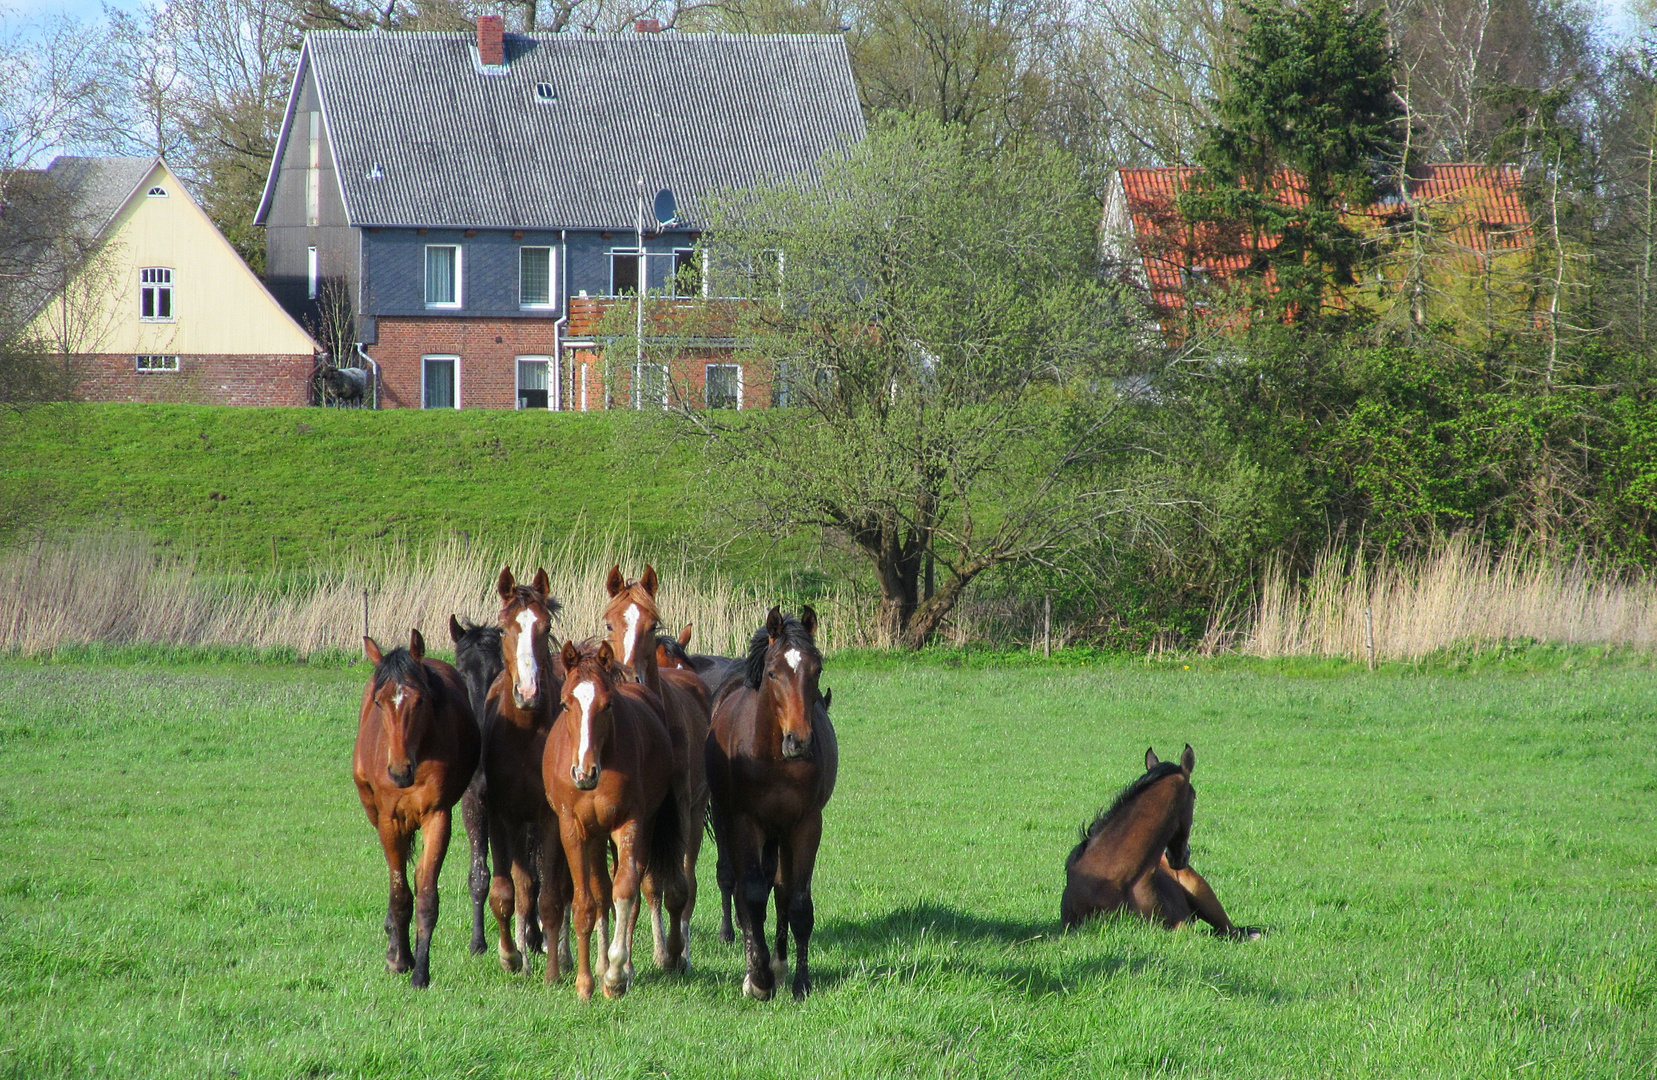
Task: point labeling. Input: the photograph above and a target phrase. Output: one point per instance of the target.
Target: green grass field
(225, 481)
(1458, 872)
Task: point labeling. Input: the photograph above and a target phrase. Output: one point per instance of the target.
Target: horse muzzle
(524, 701)
(401, 775)
(794, 748)
(584, 781)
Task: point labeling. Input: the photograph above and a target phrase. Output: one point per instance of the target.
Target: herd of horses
(587, 771)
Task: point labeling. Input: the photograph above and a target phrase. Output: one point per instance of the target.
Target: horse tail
(667, 841)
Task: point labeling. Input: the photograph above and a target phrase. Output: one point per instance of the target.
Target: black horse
(478, 657)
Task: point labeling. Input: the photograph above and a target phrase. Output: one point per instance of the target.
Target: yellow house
(161, 307)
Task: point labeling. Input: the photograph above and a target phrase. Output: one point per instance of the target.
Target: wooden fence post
(1369, 634)
(365, 613)
(1047, 626)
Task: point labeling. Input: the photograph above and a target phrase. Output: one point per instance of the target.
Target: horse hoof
(802, 989)
(397, 966)
(779, 970)
(512, 963)
(479, 947)
(615, 988)
(584, 987)
(420, 979)
(727, 935)
(663, 960)
(755, 992)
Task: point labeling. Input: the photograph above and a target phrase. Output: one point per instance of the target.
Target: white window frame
(425, 269)
(552, 380)
(157, 192)
(159, 363)
(667, 385)
(706, 367)
(169, 286)
(453, 358)
(552, 278)
(310, 272)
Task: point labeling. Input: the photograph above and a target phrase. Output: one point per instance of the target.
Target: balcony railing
(699, 321)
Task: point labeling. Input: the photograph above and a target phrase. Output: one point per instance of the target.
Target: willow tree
(945, 357)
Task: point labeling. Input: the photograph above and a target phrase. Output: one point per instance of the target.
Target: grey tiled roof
(99, 186)
(454, 146)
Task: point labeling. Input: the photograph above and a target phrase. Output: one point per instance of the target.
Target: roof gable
(422, 135)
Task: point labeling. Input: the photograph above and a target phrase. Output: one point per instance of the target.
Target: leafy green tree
(1304, 130)
(944, 350)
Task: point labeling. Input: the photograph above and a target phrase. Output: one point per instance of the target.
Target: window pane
(440, 384)
(532, 384)
(146, 304)
(535, 276)
(164, 302)
(440, 275)
(624, 274)
(721, 386)
(687, 273)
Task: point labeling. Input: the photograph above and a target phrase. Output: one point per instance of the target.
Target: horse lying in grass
(416, 751)
(1136, 856)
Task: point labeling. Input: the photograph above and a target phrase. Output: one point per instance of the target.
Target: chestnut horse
(417, 747)
(478, 658)
(772, 761)
(630, 623)
(1136, 856)
(608, 770)
(714, 671)
(523, 834)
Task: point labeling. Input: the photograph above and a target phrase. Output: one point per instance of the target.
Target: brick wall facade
(488, 351)
(200, 380)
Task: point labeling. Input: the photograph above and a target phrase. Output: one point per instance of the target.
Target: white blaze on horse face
(584, 693)
(397, 698)
(793, 658)
(526, 648)
(632, 619)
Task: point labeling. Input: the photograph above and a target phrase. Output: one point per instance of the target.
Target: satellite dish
(667, 212)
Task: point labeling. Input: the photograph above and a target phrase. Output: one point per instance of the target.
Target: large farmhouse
(477, 200)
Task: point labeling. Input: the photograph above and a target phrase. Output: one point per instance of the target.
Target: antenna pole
(638, 303)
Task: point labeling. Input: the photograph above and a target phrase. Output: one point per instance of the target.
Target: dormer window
(374, 172)
(158, 192)
(546, 94)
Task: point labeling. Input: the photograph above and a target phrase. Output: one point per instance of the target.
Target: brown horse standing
(1137, 856)
(630, 623)
(608, 771)
(417, 747)
(772, 761)
(523, 833)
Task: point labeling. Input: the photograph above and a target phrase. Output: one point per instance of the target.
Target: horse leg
(523, 889)
(477, 838)
(802, 915)
(752, 889)
(434, 833)
(501, 893)
(555, 899)
(1159, 898)
(534, 938)
(632, 843)
(584, 870)
(1204, 904)
(724, 872)
(782, 892)
(398, 957)
(652, 890)
(693, 850)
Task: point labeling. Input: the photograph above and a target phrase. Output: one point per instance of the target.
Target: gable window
(624, 272)
(688, 279)
(722, 386)
(442, 275)
(440, 382)
(546, 93)
(535, 390)
(535, 277)
(157, 363)
(310, 273)
(155, 294)
(157, 192)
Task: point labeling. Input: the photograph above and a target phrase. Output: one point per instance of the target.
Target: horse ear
(773, 623)
(808, 619)
(505, 584)
(606, 655)
(455, 632)
(1151, 760)
(1188, 760)
(372, 648)
(684, 635)
(828, 698)
(572, 656)
(648, 579)
(542, 584)
(614, 582)
(416, 645)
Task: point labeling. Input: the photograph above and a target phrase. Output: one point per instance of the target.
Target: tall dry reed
(1460, 594)
(120, 589)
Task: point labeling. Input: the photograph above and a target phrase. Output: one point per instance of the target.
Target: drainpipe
(376, 367)
(562, 321)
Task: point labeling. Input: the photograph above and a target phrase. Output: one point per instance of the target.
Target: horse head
(589, 682)
(526, 633)
(1184, 806)
(402, 697)
(784, 666)
(631, 617)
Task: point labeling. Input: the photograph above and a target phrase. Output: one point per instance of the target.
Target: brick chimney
(647, 26)
(491, 40)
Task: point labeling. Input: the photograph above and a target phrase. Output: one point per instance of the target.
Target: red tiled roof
(1475, 208)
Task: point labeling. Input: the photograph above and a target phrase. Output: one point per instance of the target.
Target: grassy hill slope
(227, 480)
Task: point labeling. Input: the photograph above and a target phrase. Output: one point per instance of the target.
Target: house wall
(240, 379)
(219, 307)
(288, 231)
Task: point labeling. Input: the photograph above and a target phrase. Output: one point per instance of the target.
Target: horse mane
(1119, 806)
(525, 594)
(477, 643)
(400, 667)
(794, 635)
